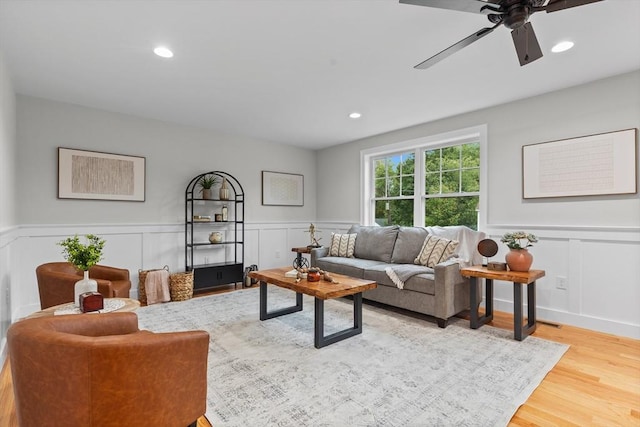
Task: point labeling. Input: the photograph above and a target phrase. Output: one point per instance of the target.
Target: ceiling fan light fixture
(355, 115)
(562, 46)
(163, 52)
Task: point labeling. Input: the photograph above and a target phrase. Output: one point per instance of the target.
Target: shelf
(213, 265)
(231, 242)
(199, 199)
(231, 269)
(213, 222)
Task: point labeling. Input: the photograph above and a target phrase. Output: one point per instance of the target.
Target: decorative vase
(215, 237)
(519, 260)
(206, 193)
(224, 190)
(84, 285)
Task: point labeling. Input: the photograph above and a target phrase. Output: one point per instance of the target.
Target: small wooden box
(497, 266)
(91, 301)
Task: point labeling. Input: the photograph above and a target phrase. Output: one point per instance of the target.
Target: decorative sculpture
(312, 235)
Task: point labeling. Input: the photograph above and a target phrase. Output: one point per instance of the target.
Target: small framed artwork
(282, 189)
(100, 176)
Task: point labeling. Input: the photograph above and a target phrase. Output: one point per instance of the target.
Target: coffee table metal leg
(264, 314)
(320, 340)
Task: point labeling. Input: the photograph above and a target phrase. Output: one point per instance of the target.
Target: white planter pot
(84, 285)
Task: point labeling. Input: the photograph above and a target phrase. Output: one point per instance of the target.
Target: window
(394, 178)
(452, 185)
(430, 181)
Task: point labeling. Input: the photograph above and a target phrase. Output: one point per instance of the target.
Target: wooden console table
(518, 278)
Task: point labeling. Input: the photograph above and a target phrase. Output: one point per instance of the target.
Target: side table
(518, 278)
(300, 261)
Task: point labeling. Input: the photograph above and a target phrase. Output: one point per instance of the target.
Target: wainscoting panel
(600, 265)
(601, 273)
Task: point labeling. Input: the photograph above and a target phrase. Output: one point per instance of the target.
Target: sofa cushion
(423, 283)
(408, 244)
(353, 267)
(375, 243)
(435, 250)
(342, 245)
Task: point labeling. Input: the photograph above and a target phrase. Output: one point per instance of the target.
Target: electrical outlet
(561, 282)
(277, 254)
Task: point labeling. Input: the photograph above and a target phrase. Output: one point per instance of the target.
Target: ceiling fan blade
(526, 43)
(455, 48)
(473, 6)
(556, 5)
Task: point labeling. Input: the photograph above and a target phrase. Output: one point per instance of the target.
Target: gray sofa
(440, 292)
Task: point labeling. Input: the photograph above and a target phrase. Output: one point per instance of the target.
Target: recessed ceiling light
(562, 46)
(355, 115)
(163, 52)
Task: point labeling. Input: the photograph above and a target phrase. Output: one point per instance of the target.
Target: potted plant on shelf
(206, 182)
(83, 257)
(519, 258)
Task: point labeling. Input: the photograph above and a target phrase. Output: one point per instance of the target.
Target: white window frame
(462, 136)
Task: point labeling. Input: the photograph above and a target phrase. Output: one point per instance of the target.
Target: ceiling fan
(513, 14)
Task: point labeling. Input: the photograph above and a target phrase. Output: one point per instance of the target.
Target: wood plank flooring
(596, 383)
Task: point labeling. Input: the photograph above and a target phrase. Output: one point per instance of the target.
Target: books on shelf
(202, 218)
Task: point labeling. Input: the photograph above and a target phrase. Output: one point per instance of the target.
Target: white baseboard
(606, 326)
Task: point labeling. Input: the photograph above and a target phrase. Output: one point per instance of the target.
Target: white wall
(592, 241)
(174, 154)
(7, 194)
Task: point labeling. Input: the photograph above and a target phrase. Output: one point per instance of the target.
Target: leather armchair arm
(108, 273)
(95, 325)
(122, 367)
(59, 289)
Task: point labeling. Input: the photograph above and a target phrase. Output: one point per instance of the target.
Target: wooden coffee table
(321, 291)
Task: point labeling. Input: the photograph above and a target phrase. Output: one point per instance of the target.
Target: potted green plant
(206, 183)
(83, 257)
(519, 258)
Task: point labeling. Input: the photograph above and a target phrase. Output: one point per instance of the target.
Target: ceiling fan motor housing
(516, 16)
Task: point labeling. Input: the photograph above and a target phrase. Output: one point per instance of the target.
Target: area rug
(401, 371)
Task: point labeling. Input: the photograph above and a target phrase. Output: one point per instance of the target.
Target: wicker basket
(181, 286)
(142, 276)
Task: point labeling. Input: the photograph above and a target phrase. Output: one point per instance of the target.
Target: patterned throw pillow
(342, 245)
(435, 250)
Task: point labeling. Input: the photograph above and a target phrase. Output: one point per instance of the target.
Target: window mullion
(419, 187)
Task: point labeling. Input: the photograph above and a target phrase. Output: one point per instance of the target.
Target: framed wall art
(282, 189)
(591, 165)
(100, 176)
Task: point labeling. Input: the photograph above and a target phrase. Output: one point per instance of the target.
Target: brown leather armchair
(101, 370)
(56, 281)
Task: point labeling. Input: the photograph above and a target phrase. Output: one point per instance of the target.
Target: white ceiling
(290, 71)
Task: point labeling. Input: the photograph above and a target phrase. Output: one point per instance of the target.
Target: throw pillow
(342, 245)
(435, 250)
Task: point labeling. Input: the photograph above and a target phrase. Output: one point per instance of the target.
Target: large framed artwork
(282, 189)
(100, 176)
(591, 165)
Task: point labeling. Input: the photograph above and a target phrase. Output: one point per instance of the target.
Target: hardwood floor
(596, 383)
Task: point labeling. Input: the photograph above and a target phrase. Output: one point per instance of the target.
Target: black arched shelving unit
(220, 263)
